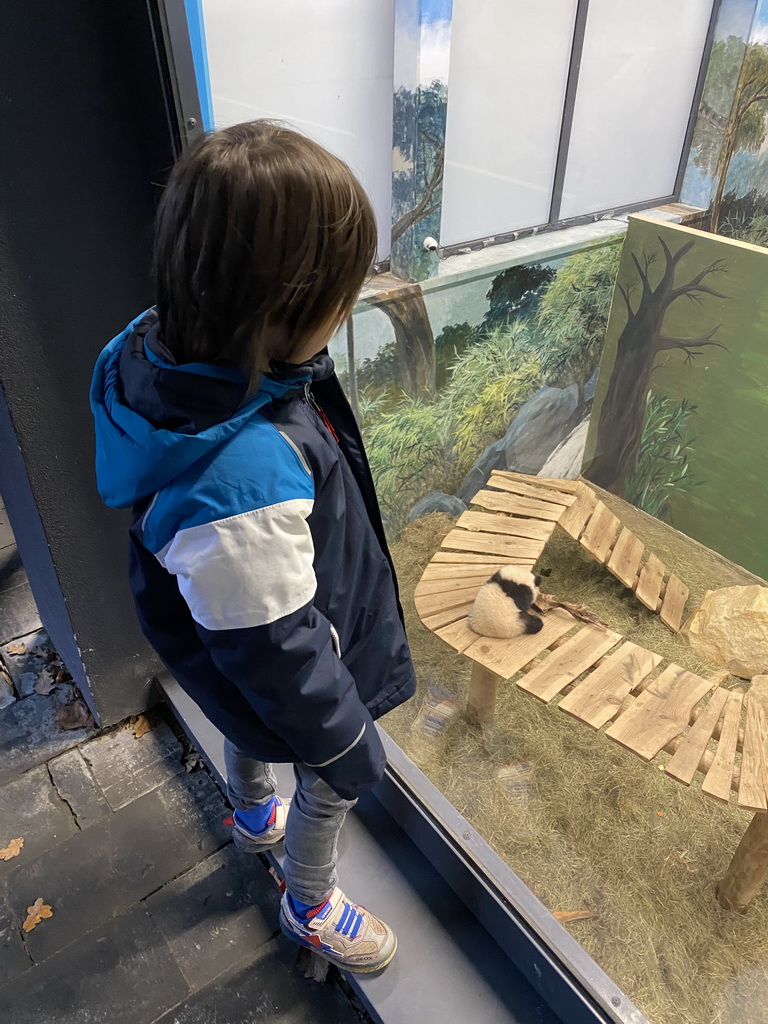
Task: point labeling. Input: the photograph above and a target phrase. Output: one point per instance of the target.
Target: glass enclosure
(587, 401)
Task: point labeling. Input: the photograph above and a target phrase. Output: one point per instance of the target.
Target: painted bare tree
(640, 344)
(414, 341)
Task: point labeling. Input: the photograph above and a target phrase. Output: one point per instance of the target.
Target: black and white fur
(502, 607)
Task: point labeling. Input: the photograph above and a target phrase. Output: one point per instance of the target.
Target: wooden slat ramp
(593, 674)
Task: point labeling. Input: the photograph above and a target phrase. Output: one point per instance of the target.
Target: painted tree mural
(641, 342)
(418, 161)
(414, 341)
(732, 119)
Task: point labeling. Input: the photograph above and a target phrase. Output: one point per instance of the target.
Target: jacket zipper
(320, 412)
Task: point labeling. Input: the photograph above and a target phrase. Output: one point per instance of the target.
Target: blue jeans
(314, 820)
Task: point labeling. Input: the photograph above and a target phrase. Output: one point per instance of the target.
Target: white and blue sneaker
(273, 831)
(341, 932)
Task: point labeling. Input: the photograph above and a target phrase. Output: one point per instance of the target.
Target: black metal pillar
(87, 133)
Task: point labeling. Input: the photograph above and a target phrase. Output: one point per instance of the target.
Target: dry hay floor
(602, 829)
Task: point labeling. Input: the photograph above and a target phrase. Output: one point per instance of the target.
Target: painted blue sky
(760, 25)
(436, 10)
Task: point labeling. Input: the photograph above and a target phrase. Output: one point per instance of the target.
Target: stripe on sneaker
(356, 929)
(342, 923)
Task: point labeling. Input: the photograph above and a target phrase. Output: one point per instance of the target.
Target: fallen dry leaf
(36, 913)
(141, 727)
(74, 715)
(44, 684)
(13, 849)
(16, 648)
(564, 916)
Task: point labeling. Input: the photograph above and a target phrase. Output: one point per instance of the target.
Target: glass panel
(509, 64)
(638, 75)
(326, 68)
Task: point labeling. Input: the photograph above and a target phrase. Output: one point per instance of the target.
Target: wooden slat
(598, 698)
(549, 677)
(505, 657)
(649, 585)
(489, 523)
(437, 571)
(673, 606)
(600, 532)
(752, 784)
(717, 782)
(425, 587)
(497, 501)
(574, 519)
(457, 634)
(446, 617)
(660, 713)
(456, 558)
(625, 559)
(430, 604)
(569, 486)
(527, 490)
(687, 757)
(492, 544)
(528, 506)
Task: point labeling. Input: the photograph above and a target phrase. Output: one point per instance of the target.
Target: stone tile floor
(156, 917)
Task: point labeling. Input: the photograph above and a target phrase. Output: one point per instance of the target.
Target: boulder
(730, 628)
(437, 502)
(493, 457)
(542, 424)
(566, 460)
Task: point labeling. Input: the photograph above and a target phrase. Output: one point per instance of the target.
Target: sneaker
(253, 842)
(341, 932)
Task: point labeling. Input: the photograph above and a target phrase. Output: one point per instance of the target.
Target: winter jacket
(258, 561)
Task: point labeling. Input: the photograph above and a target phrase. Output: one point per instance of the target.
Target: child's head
(263, 240)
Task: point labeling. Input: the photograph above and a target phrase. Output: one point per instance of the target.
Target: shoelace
(350, 921)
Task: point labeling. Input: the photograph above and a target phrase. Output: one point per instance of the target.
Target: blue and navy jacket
(258, 561)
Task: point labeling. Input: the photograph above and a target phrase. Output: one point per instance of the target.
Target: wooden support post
(483, 687)
(748, 869)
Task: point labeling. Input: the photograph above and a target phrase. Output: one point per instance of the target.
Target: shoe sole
(352, 968)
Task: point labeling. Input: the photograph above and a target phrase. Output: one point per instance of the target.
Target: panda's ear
(537, 581)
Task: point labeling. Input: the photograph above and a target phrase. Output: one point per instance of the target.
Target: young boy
(258, 561)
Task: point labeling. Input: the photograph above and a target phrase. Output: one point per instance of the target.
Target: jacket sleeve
(249, 583)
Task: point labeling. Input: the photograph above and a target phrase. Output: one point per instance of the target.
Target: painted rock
(730, 628)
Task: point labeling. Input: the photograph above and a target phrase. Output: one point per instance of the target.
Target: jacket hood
(154, 419)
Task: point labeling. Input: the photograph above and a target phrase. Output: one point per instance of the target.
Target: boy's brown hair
(259, 230)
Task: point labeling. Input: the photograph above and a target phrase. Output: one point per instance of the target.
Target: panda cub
(502, 607)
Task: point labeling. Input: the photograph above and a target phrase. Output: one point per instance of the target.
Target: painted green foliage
(544, 325)
(681, 410)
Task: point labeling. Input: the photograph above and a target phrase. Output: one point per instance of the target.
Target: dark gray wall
(86, 136)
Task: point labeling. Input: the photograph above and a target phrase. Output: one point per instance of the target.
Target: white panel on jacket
(246, 570)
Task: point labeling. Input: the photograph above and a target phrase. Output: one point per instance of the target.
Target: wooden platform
(593, 674)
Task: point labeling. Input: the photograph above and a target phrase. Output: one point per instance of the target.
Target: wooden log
(456, 570)
(430, 604)
(748, 869)
(498, 501)
(447, 616)
(483, 688)
(440, 586)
